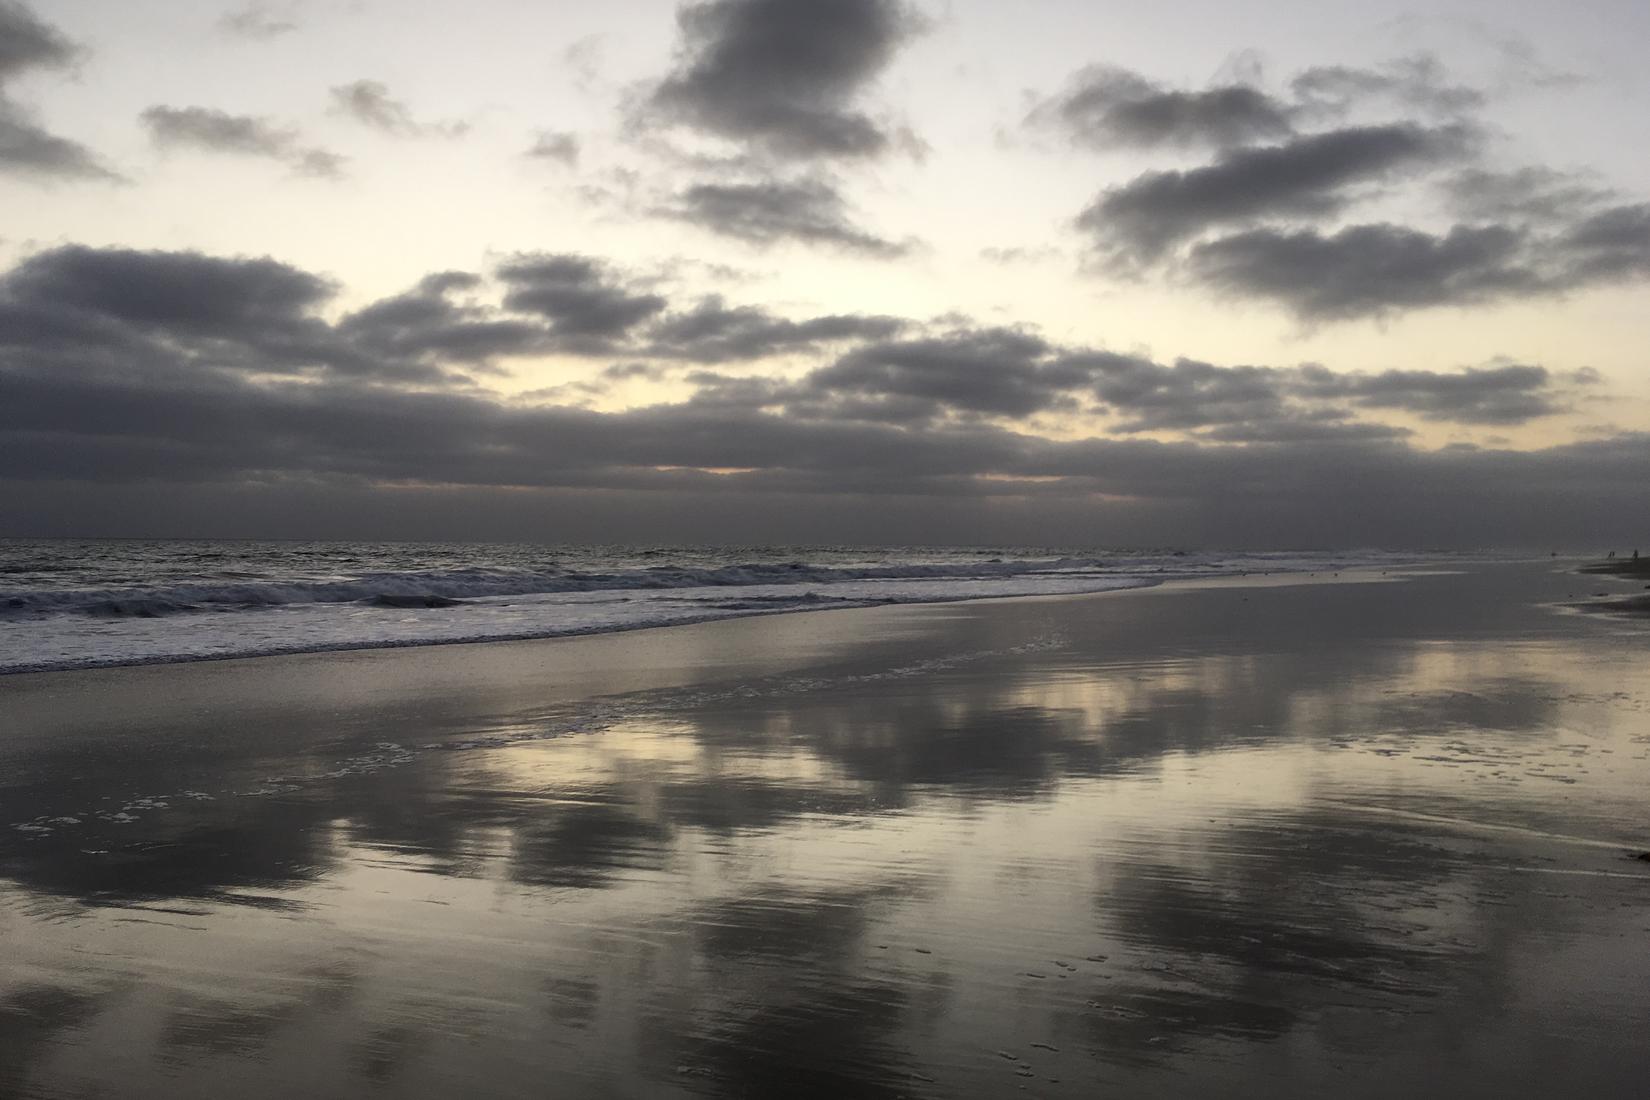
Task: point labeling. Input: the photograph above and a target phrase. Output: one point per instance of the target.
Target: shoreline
(1366, 574)
(573, 633)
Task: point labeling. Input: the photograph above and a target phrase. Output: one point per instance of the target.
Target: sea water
(88, 603)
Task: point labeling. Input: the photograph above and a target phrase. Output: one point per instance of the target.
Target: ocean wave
(59, 642)
(436, 588)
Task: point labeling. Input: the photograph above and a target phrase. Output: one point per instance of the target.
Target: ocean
(99, 602)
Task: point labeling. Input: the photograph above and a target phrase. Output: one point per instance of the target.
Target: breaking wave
(438, 588)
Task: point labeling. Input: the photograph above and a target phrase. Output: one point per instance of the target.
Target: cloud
(183, 311)
(1367, 270)
(369, 103)
(1111, 108)
(806, 211)
(260, 22)
(220, 132)
(1267, 218)
(1307, 177)
(1188, 394)
(204, 128)
(26, 42)
(1530, 195)
(1379, 269)
(1507, 394)
(26, 148)
(184, 316)
(714, 332)
(1018, 255)
(629, 372)
(1013, 374)
(426, 325)
(131, 429)
(179, 290)
(784, 76)
(584, 299)
(992, 372)
(1610, 246)
(120, 367)
(556, 145)
(584, 59)
(319, 163)
(1105, 107)
(1418, 82)
(1275, 403)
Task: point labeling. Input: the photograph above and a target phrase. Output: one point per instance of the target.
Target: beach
(1365, 834)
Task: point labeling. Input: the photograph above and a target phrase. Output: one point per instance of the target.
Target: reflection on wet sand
(1229, 841)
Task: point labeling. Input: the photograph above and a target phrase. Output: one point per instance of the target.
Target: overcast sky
(1051, 272)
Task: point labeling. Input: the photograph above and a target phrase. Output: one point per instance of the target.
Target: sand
(1356, 836)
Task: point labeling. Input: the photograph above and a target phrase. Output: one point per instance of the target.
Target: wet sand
(1334, 836)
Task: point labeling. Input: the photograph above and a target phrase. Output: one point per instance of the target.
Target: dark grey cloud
(629, 372)
(1111, 108)
(1525, 196)
(208, 129)
(556, 145)
(1255, 403)
(1308, 177)
(205, 128)
(177, 290)
(1107, 107)
(80, 432)
(1367, 270)
(180, 310)
(184, 316)
(426, 325)
(260, 22)
(1314, 428)
(27, 149)
(1609, 246)
(173, 312)
(806, 211)
(714, 332)
(1012, 374)
(586, 302)
(27, 42)
(1507, 394)
(128, 368)
(994, 372)
(1372, 270)
(1187, 394)
(369, 102)
(784, 76)
(1419, 82)
(1269, 221)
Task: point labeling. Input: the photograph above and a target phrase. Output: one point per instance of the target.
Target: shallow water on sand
(1259, 839)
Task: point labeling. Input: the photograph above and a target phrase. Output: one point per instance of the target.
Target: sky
(827, 271)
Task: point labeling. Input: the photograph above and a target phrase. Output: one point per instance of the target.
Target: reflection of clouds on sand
(200, 1027)
(221, 851)
(582, 845)
(1263, 919)
(797, 1009)
(1129, 859)
(33, 1018)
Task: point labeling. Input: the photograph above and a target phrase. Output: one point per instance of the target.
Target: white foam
(88, 609)
(80, 641)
